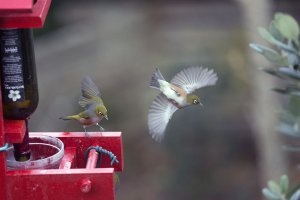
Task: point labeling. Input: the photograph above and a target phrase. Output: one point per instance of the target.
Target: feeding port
(46, 153)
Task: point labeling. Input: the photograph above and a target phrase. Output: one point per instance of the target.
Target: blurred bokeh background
(227, 149)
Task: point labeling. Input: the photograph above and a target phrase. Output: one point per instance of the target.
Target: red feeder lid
(16, 5)
(23, 13)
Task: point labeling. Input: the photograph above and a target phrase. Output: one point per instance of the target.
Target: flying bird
(175, 95)
(91, 101)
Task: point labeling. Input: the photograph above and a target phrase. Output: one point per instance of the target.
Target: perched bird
(91, 101)
(175, 95)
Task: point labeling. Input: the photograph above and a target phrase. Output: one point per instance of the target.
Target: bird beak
(200, 104)
(106, 117)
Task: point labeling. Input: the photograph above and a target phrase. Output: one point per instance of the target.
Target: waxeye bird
(92, 102)
(175, 95)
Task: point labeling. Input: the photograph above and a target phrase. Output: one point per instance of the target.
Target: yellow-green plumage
(77, 117)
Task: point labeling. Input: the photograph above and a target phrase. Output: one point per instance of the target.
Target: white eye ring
(196, 101)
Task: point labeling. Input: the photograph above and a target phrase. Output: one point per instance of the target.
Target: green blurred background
(213, 152)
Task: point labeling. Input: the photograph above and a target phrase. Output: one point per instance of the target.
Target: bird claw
(100, 127)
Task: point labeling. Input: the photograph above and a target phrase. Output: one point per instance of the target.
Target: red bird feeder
(76, 175)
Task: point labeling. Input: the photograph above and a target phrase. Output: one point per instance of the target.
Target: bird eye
(100, 113)
(196, 102)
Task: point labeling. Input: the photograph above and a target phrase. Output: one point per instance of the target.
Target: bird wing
(87, 114)
(90, 93)
(83, 115)
(160, 112)
(193, 78)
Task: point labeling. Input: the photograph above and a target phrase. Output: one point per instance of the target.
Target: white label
(11, 65)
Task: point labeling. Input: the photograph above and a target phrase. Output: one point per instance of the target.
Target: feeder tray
(75, 178)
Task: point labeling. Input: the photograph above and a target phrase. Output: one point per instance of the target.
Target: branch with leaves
(280, 191)
(284, 35)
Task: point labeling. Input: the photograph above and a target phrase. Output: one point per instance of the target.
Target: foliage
(283, 34)
(280, 191)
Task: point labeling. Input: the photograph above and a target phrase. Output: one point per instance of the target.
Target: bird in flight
(176, 94)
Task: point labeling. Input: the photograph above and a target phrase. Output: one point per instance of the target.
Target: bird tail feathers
(154, 79)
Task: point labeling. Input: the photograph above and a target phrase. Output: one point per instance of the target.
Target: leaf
(274, 187)
(269, 54)
(294, 105)
(283, 46)
(256, 47)
(290, 73)
(272, 71)
(280, 90)
(290, 89)
(274, 57)
(292, 59)
(284, 184)
(268, 36)
(287, 26)
(287, 116)
(274, 32)
(296, 195)
(288, 129)
(291, 148)
(295, 94)
(270, 195)
(265, 34)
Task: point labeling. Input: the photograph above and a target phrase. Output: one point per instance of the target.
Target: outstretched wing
(193, 78)
(90, 93)
(160, 112)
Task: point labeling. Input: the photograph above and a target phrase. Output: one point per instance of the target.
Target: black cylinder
(18, 73)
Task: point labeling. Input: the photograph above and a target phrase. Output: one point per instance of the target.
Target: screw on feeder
(86, 185)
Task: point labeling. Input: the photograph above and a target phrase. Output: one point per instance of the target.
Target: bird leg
(101, 128)
(86, 133)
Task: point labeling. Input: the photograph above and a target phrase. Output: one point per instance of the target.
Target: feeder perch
(76, 177)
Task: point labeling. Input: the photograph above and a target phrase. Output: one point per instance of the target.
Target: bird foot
(101, 128)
